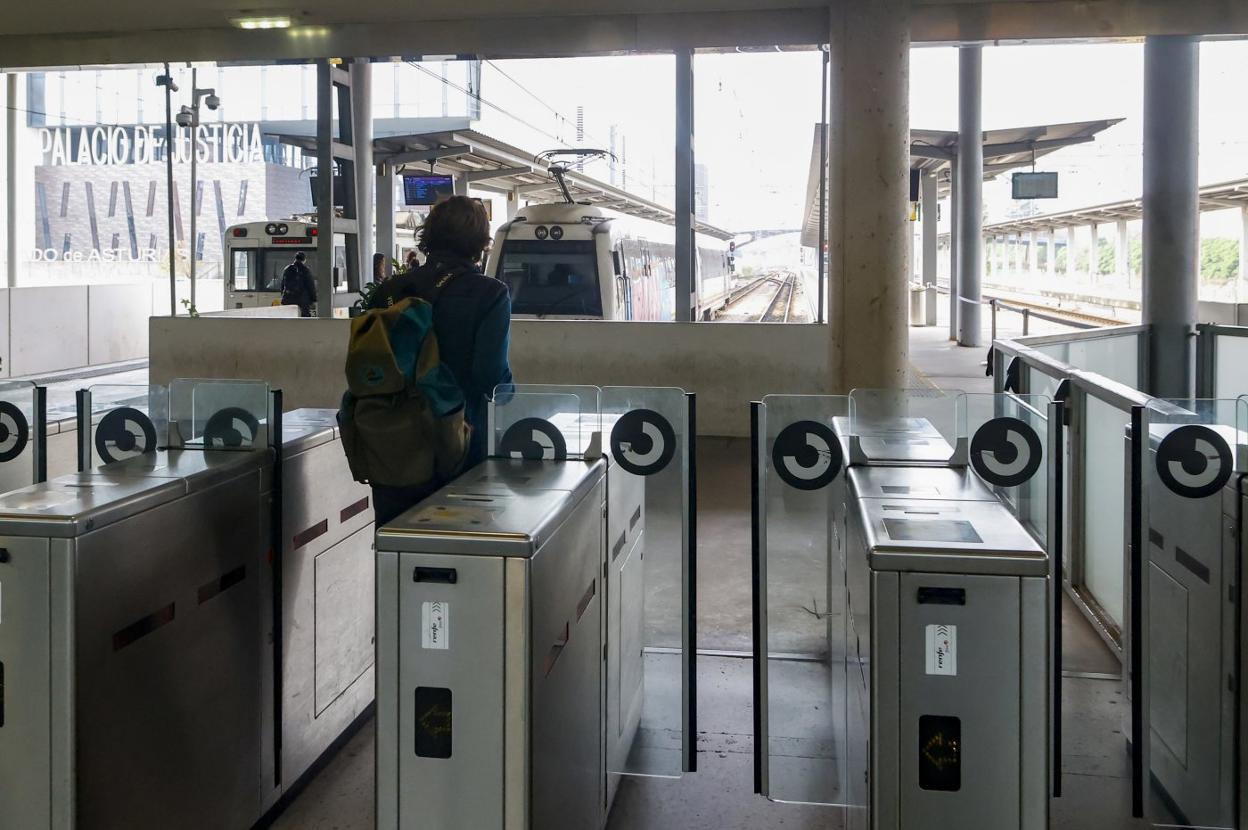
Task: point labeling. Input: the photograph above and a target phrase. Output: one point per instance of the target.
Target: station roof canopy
(1221, 196)
(494, 166)
(932, 151)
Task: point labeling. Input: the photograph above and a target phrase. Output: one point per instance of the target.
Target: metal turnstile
(1186, 620)
(131, 641)
(490, 652)
(583, 520)
(904, 617)
(292, 632)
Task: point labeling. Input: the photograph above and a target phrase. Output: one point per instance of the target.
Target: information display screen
(1035, 185)
(426, 189)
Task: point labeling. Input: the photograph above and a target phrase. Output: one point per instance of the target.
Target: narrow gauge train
(569, 260)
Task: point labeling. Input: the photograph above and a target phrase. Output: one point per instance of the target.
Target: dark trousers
(391, 502)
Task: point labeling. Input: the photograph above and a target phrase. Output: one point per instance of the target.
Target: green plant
(191, 310)
(367, 293)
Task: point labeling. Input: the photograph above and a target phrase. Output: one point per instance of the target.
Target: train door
(1185, 698)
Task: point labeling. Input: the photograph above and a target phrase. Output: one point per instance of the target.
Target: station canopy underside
(496, 167)
(1221, 196)
(933, 151)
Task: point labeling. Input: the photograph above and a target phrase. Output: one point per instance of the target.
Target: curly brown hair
(456, 226)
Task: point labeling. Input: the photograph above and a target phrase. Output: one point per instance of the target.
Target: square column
(385, 218)
(868, 191)
(1122, 253)
(931, 218)
(1094, 254)
(1050, 253)
(1072, 252)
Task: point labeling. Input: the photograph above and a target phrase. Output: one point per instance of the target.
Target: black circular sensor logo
(541, 232)
(1194, 461)
(124, 433)
(14, 431)
(533, 439)
(556, 232)
(643, 442)
(1006, 452)
(807, 455)
(231, 428)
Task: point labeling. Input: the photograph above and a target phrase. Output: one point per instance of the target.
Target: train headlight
(556, 232)
(541, 232)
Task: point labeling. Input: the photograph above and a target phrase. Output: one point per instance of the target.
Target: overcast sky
(755, 114)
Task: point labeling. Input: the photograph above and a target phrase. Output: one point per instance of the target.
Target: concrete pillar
(953, 250)
(459, 185)
(385, 218)
(1171, 214)
(1033, 254)
(1050, 253)
(1072, 252)
(1094, 253)
(1243, 245)
(971, 190)
(1018, 253)
(1122, 252)
(362, 142)
(513, 204)
(931, 218)
(868, 182)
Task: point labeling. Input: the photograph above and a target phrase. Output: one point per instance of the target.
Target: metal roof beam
(432, 154)
(500, 173)
(927, 151)
(1029, 146)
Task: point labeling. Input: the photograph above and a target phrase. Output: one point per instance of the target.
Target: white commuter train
(568, 260)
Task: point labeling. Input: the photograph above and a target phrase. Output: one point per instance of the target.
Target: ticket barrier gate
(23, 435)
(534, 626)
(325, 681)
(904, 643)
(1188, 727)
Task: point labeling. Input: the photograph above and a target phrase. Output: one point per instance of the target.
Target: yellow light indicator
(270, 22)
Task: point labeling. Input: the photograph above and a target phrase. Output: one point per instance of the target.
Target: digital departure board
(1034, 185)
(426, 188)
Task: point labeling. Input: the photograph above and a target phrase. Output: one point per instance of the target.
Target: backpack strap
(434, 290)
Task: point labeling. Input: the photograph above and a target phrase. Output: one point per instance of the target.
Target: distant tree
(1219, 260)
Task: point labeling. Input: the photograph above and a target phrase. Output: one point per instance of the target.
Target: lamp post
(189, 117)
(166, 80)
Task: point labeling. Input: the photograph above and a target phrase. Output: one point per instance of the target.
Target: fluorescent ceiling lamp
(270, 22)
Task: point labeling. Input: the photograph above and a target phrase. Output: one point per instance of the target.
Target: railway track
(1078, 316)
(781, 305)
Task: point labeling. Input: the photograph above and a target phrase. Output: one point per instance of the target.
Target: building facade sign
(112, 145)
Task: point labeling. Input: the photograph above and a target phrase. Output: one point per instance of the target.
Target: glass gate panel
(810, 707)
(1005, 440)
(650, 575)
(121, 422)
(219, 414)
(1189, 600)
(550, 423)
(22, 435)
(910, 425)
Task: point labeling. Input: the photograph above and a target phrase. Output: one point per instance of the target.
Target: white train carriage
(582, 262)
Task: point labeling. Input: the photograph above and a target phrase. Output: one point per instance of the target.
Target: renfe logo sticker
(435, 629)
(942, 650)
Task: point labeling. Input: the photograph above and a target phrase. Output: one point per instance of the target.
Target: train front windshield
(260, 269)
(548, 277)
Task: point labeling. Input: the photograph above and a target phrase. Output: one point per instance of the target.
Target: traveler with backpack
(298, 285)
(422, 363)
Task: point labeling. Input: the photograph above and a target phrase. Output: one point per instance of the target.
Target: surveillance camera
(212, 102)
(183, 118)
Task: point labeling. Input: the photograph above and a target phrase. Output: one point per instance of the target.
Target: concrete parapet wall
(726, 364)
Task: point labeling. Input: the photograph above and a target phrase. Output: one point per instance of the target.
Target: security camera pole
(193, 112)
(166, 80)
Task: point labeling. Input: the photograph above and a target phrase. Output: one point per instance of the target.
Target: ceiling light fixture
(269, 22)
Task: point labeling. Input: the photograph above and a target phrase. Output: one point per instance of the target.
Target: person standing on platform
(472, 321)
(299, 286)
